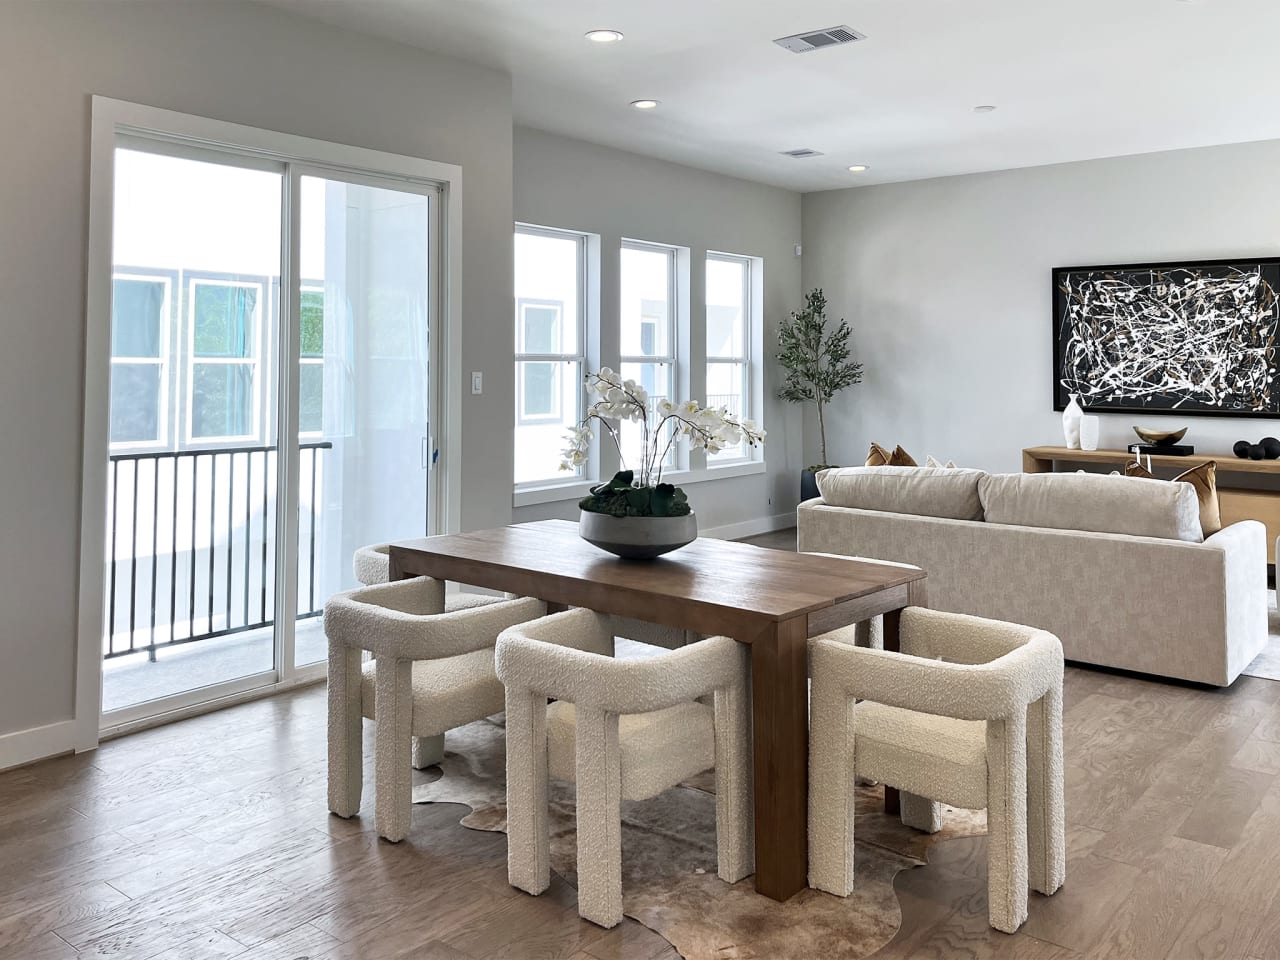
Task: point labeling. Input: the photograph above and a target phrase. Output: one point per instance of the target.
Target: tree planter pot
(808, 485)
(637, 538)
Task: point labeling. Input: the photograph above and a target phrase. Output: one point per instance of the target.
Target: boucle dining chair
(981, 727)
(372, 565)
(432, 671)
(620, 730)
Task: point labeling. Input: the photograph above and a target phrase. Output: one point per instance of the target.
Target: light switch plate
(477, 381)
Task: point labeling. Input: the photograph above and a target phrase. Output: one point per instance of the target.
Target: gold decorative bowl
(1160, 438)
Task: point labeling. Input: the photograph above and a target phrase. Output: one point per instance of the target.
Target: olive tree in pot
(818, 366)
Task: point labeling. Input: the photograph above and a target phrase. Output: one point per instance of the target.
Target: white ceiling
(1073, 79)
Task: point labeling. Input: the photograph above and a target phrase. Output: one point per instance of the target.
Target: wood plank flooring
(210, 839)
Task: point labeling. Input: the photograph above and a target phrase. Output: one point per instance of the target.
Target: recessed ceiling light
(859, 168)
(984, 108)
(644, 104)
(604, 36)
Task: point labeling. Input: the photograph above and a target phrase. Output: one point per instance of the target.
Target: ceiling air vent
(817, 39)
(801, 153)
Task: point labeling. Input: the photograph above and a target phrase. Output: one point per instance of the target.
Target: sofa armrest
(1244, 576)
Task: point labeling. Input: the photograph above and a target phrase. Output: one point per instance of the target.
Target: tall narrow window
(139, 358)
(225, 324)
(729, 339)
(648, 335)
(550, 277)
(311, 360)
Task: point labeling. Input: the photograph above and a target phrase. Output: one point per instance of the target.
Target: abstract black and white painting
(1180, 338)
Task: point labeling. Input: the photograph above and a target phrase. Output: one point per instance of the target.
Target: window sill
(576, 490)
(551, 492)
(734, 468)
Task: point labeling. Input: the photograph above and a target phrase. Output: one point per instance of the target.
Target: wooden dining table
(773, 600)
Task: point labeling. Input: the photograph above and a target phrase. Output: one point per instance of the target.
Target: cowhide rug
(669, 880)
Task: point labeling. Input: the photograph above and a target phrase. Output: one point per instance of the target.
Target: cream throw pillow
(1204, 479)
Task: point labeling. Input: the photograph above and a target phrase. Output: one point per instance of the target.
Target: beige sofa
(1114, 566)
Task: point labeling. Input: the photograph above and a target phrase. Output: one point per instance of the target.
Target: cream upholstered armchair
(981, 727)
(372, 565)
(620, 729)
(431, 671)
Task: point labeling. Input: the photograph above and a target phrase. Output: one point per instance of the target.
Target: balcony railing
(191, 544)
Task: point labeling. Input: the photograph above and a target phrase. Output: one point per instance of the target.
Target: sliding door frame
(113, 120)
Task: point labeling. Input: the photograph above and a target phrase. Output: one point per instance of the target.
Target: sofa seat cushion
(1093, 502)
(920, 491)
(447, 693)
(656, 750)
(935, 757)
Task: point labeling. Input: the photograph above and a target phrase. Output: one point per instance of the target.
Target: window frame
(744, 360)
(675, 318)
(169, 279)
(558, 359)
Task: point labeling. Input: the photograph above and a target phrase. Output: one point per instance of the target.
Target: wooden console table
(1236, 503)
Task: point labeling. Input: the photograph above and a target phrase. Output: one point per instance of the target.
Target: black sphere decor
(1256, 452)
(1241, 449)
(1271, 447)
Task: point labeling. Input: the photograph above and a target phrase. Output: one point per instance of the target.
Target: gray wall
(947, 285)
(560, 182)
(240, 62)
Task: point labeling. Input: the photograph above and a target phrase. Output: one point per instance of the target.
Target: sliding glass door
(366, 289)
(254, 300)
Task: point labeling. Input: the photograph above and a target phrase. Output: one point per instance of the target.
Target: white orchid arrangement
(707, 428)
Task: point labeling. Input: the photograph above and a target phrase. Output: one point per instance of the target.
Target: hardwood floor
(210, 839)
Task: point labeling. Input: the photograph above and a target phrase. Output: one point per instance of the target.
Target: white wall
(947, 285)
(240, 62)
(566, 183)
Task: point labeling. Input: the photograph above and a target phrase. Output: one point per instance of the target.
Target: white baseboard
(27, 746)
(750, 528)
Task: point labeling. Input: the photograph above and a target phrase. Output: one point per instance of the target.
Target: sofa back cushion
(1090, 501)
(922, 491)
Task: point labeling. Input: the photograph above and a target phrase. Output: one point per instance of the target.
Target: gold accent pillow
(1204, 479)
(880, 457)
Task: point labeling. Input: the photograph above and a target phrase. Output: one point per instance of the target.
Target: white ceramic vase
(1089, 428)
(1071, 422)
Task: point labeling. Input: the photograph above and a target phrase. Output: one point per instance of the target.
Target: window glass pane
(312, 306)
(646, 310)
(310, 397)
(541, 328)
(221, 399)
(726, 387)
(546, 407)
(548, 273)
(223, 319)
(135, 402)
(656, 380)
(539, 397)
(726, 308)
(136, 316)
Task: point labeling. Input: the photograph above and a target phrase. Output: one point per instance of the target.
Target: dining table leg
(780, 730)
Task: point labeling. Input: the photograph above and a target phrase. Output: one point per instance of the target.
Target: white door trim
(111, 118)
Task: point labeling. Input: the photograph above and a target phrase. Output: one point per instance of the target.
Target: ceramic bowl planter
(638, 538)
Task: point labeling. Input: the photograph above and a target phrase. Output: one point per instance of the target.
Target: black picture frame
(1265, 405)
